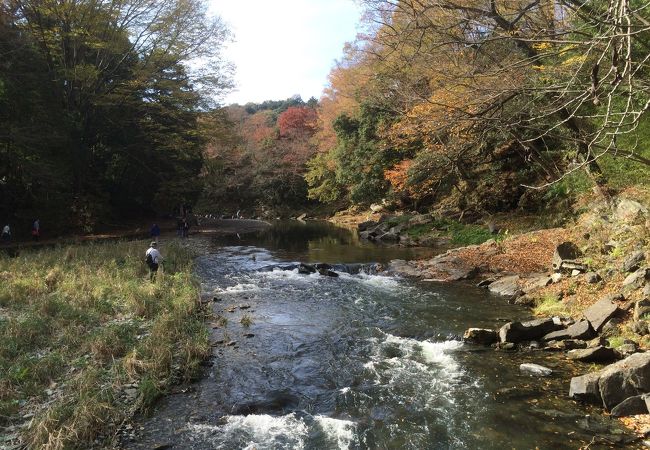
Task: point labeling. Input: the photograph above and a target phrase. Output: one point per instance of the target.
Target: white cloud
(285, 47)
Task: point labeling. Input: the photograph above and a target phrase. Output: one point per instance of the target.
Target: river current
(358, 361)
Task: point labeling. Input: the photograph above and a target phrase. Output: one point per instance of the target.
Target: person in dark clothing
(155, 232)
(186, 228)
(36, 230)
(6, 234)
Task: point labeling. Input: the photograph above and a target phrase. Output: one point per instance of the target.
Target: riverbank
(592, 272)
(86, 339)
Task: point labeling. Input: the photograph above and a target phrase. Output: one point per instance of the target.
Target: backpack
(149, 260)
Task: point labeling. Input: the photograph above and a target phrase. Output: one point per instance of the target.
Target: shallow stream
(362, 361)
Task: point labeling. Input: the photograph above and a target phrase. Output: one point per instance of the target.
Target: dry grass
(78, 323)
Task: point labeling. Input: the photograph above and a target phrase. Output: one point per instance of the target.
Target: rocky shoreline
(597, 268)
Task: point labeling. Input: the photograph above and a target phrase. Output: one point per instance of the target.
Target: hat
(153, 244)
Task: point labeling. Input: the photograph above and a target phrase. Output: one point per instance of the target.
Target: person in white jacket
(153, 259)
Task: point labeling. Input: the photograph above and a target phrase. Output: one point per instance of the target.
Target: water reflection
(320, 241)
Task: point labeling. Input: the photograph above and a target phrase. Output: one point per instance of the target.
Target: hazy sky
(285, 47)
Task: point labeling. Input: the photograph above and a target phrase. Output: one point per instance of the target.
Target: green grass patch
(551, 306)
(79, 323)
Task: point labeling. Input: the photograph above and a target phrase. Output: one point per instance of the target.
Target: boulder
(637, 279)
(598, 354)
(526, 331)
(363, 226)
(535, 282)
(388, 237)
(481, 336)
(535, 370)
(646, 290)
(641, 308)
(306, 269)
(611, 327)
(556, 277)
(600, 312)
(506, 286)
(626, 350)
(375, 207)
(631, 406)
(633, 261)
(629, 211)
(420, 219)
(615, 383)
(626, 378)
(585, 388)
(641, 327)
(565, 256)
(592, 278)
(579, 330)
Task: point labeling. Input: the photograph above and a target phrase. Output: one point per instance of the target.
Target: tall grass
(78, 323)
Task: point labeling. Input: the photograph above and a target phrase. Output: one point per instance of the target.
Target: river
(359, 361)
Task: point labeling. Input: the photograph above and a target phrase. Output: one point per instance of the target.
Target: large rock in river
(527, 331)
(579, 330)
(506, 286)
(615, 383)
(481, 336)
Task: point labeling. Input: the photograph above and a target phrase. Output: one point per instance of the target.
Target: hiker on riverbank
(6, 234)
(155, 232)
(153, 258)
(36, 230)
(186, 228)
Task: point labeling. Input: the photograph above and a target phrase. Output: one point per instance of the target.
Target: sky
(285, 47)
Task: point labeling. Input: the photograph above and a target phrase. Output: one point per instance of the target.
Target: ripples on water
(358, 362)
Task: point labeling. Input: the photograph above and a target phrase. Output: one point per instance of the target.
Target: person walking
(155, 232)
(153, 258)
(6, 234)
(36, 230)
(186, 228)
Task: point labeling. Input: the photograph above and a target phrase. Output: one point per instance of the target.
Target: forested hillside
(471, 106)
(110, 110)
(99, 108)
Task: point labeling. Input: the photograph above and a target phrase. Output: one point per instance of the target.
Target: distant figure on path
(153, 258)
(186, 228)
(36, 230)
(155, 232)
(6, 234)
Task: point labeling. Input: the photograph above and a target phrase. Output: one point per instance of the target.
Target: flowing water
(361, 361)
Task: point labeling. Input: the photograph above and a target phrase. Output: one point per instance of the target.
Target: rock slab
(535, 370)
(600, 312)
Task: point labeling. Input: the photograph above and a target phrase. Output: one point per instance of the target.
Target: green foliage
(97, 123)
(469, 234)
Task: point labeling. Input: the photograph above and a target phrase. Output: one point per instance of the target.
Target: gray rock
(535, 370)
(611, 327)
(556, 277)
(592, 278)
(597, 341)
(579, 330)
(535, 282)
(506, 286)
(626, 350)
(585, 388)
(526, 331)
(633, 261)
(637, 278)
(596, 354)
(626, 378)
(363, 226)
(641, 308)
(565, 252)
(630, 406)
(641, 327)
(600, 312)
(571, 344)
(481, 336)
(420, 219)
(646, 290)
(629, 211)
(486, 283)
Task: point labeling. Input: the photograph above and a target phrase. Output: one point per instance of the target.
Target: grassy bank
(86, 339)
